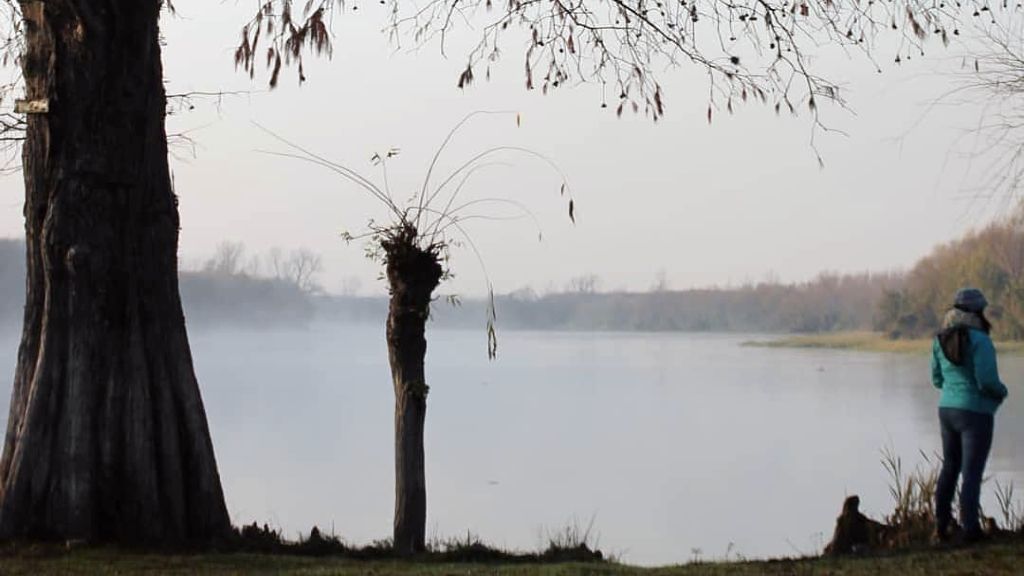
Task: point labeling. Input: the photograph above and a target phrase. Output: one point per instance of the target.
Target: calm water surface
(673, 445)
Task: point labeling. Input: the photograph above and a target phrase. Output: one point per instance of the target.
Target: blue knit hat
(970, 300)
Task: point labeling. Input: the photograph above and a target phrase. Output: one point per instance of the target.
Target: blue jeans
(966, 440)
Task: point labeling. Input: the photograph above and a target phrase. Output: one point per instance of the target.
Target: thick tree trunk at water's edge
(107, 439)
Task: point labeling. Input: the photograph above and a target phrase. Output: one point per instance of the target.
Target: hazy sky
(708, 204)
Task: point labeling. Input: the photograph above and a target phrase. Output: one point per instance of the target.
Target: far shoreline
(860, 341)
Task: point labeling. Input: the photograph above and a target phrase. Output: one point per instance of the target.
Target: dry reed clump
(912, 520)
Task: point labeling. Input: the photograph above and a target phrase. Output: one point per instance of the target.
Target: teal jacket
(975, 386)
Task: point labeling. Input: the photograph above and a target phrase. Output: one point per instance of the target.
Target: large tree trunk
(107, 438)
(413, 274)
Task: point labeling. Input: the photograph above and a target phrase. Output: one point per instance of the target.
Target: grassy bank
(865, 342)
(995, 559)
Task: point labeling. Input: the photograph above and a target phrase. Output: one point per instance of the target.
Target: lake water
(672, 445)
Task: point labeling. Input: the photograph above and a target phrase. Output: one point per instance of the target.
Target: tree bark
(107, 439)
(413, 274)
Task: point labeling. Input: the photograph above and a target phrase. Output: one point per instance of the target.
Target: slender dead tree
(413, 272)
(107, 437)
(414, 246)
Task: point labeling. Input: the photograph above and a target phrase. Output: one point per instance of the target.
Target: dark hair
(986, 326)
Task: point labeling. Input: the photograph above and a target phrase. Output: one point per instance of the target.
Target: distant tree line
(828, 303)
(991, 259)
(232, 288)
(900, 304)
(229, 288)
(279, 288)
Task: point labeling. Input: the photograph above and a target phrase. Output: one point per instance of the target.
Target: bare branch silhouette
(759, 50)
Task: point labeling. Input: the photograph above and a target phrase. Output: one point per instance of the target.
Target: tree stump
(855, 532)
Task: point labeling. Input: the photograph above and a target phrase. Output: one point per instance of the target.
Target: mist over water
(673, 444)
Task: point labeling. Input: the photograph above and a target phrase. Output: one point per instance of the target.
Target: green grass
(865, 342)
(1006, 557)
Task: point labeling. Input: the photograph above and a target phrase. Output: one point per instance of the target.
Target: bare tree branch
(996, 77)
(750, 49)
(187, 101)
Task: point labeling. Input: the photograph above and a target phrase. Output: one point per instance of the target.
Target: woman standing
(964, 368)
